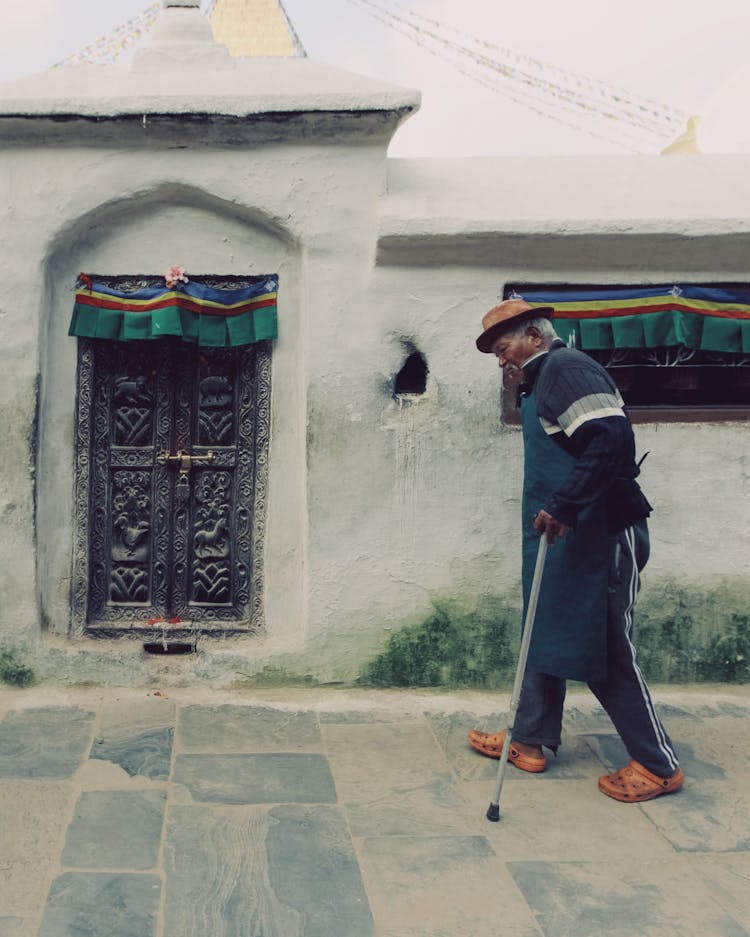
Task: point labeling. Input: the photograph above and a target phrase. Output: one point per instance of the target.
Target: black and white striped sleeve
(581, 408)
(572, 390)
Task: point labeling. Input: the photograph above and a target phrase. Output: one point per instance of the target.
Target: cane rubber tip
(493, 812)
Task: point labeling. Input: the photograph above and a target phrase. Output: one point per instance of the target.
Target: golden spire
(255, 28)
(686, 143)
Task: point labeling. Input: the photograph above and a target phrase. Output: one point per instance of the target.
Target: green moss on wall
(455, 646)
(684, 634)
(13, 671)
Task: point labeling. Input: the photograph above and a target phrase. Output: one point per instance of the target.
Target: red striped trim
(183, 302)
(662, 307)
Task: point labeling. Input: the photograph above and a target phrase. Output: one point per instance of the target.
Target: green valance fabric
(699, 317)
(192, 311)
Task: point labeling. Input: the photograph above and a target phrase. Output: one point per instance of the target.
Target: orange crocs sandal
(491, 745)
(634, 783)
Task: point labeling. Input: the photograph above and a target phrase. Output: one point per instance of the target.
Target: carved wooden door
(173, 437)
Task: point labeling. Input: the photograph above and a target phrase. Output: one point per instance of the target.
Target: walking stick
(493, 811)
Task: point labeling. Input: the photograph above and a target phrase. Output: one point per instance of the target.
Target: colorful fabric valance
(193, 311)
(708, 318)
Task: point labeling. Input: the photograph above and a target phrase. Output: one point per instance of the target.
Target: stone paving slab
(434, 805)
(373, 824)
(33, 817)
(268, 778)
(711, 817)
(650, 898)
(712, 812)
(443, 885)
(137, 737)
(393, 779)
(98, 904)
(44, 743)
(727, 877)
(115, 830)
(562, 821)
(247, 729)
(288, 871)
(13, 927)
(98, 775)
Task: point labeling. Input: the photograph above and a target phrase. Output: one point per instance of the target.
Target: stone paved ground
(341, 814)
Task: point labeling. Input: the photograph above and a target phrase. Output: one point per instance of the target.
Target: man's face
(514, 350)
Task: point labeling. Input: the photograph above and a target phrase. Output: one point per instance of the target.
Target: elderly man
(580, 493)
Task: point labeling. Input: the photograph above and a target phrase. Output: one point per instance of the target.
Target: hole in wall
(412, 378)
(169, 647)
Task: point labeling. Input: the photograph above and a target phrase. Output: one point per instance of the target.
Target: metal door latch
(183, 460)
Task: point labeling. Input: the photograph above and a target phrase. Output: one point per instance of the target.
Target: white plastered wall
(307, 213)
(376, 506)
(419, 500)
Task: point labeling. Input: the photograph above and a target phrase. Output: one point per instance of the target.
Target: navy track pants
(624, 693)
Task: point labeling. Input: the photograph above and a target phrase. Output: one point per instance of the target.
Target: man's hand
(545, 523)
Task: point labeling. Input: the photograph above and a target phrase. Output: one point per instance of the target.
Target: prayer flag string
(544, 88)
(107, 49)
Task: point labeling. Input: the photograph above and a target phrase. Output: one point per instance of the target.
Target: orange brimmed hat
(506, 315)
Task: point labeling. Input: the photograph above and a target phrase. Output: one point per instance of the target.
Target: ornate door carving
(170, 494)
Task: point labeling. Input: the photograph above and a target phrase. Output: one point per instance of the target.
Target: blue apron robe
(570, 630)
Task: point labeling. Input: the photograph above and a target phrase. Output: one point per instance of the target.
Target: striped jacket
(581, 409)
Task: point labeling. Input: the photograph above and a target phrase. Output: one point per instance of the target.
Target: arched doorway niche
(145, 235)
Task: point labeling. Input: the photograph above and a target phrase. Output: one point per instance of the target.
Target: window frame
(657, 412)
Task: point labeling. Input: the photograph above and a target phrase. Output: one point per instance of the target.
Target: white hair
(542, 324)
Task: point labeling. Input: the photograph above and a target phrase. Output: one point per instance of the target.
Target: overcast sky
(677, 52)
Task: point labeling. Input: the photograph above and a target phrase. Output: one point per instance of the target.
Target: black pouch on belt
(626, 504)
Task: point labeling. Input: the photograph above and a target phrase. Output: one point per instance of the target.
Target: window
(678, 352)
